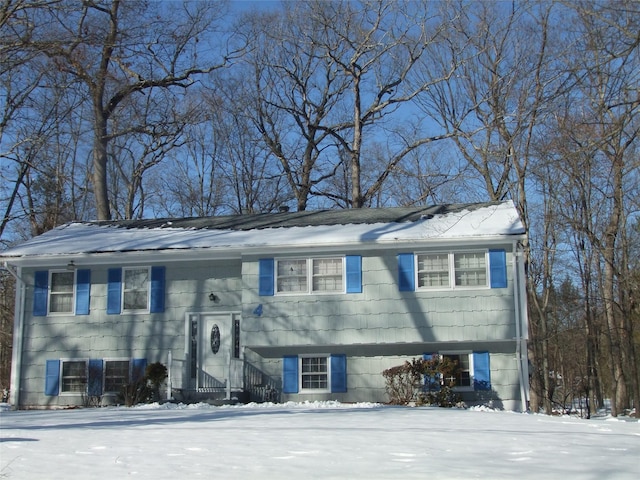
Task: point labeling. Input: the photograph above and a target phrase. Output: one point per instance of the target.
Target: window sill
(453, 289)
(462, 389)
(309, 391)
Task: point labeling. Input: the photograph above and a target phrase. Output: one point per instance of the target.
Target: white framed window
(327, 275)
(470, 269)
(310, 275)
(450, 270)
(462, 375)
(61, 291)
(73, 376)
(315, 373)
(135, 289)
(116, 374)
(433, 270)
(292, 276)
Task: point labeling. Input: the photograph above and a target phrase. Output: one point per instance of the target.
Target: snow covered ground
(312, 440)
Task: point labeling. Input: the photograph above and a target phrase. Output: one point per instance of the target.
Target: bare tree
(195, 186)
(493, 107)
(155, 130)
(296, 88)
(118, 50)
(254, 181)
(223, 165)
(377, 45)
(17, 82)
(607, 72)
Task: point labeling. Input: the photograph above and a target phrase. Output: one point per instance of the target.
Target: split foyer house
(310, 305)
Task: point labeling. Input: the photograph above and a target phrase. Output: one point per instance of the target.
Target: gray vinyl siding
(365, 382)
(377, 329)
(99, 335)
(381, 314)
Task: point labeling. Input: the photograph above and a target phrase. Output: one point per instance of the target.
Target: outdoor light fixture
(213, 297)
(71, 265)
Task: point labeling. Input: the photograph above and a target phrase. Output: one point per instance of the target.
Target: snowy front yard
(315, 440)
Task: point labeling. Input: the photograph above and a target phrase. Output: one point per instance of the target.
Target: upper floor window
(446, 270)
(292, 276)
(470, 269)
(433, 270)
(327, 275)
(314, 275)
(61, 291)
(135, 289)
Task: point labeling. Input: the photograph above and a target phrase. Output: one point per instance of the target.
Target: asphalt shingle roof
(299, 219)
(352, 228)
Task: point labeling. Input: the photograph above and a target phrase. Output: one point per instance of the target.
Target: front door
(215, 351)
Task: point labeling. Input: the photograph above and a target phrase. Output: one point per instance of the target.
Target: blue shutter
(481, 371)
(138, 369)
(290, 374)
(431, 382)
(83, 291)
(95, 378)
(157, 290)
(338, 373)
(266, 271)
(354, 273)
(114, 291)
(40, 293)
(52, 377)
(498, 268)
(406, 276)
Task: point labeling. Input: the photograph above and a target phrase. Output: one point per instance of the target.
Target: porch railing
(261, 387)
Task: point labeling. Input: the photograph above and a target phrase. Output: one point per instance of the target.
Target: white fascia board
(360, 247)
(122, 258)
(229, 252)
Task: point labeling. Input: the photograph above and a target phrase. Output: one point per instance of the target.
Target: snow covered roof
(246, 233)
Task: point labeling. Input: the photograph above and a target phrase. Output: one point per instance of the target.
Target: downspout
(521, 325)
(18, 330)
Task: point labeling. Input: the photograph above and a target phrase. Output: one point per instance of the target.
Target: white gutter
(18, 331)
(520, 304)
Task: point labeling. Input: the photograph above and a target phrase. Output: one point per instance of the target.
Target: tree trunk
(356, 189)
(619, 390)
(100, 160)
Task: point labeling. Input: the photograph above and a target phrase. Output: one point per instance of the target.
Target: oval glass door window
(215, 339)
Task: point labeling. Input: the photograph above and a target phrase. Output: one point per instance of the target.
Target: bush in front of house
(403, 382)
(419, 382)
(135, 392)
(144, 386)
(156, 374)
